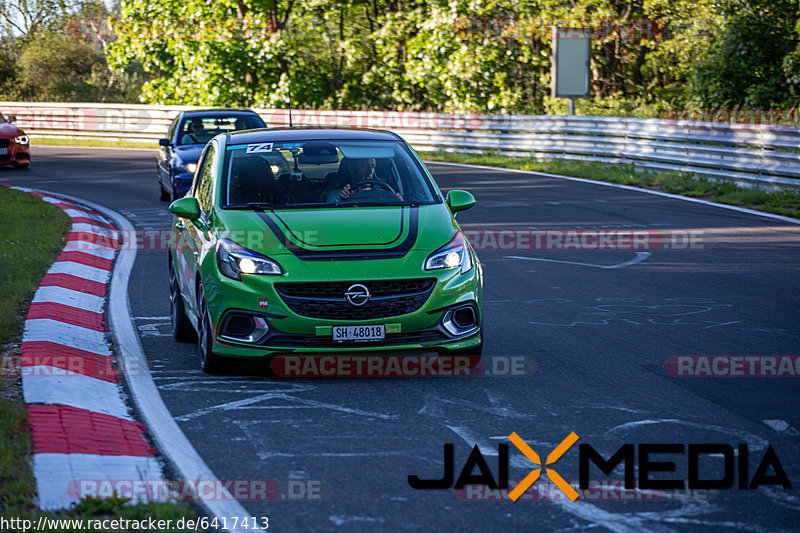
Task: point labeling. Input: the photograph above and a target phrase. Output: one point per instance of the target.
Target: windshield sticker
(292, 145)
(258, 148)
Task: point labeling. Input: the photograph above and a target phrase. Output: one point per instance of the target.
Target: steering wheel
(376, 182)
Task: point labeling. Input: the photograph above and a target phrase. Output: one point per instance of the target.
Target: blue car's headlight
(453, 254)
(187, 167)
(234, 260)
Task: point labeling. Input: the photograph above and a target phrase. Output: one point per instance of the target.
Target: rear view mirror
(187, 207)
(11, 118)
(459, 200)
(318, 153)
(164, 142)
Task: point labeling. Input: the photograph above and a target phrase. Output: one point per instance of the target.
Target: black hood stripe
(347, 254)
(399, 234)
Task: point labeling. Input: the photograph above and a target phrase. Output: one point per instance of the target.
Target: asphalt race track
(589, 343)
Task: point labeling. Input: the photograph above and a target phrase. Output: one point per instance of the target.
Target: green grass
(786, 203)
(107, 143)
(31, 236)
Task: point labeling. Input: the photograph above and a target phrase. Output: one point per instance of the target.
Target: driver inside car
(196, 133)
(351, 172)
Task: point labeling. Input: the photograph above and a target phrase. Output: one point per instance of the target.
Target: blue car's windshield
(200, 129)
(285, 175)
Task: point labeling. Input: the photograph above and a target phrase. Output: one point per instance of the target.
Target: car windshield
(287, 175)
(200, 130)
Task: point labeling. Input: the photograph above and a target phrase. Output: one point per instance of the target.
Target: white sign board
(571, 52)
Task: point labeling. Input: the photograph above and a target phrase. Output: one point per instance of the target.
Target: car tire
(21, 165)
(210, 362)
(182, 330)
(164, 194)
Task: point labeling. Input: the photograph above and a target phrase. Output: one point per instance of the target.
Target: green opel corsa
(308, 241)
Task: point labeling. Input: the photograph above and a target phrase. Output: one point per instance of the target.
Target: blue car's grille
(327, 300)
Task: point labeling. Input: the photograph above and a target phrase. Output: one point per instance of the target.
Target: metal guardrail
(749, 155)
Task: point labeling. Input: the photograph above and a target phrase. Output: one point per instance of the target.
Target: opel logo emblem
(357, 295)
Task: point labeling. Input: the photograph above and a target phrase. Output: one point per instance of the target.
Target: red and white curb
(82, 430)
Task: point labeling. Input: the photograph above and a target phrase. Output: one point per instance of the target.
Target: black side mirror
(164, 142)
(11, 118)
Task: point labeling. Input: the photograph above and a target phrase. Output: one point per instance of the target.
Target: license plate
(3, 151)
(359, 333)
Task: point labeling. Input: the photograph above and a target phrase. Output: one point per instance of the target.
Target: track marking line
(640, 256)
(625, 187)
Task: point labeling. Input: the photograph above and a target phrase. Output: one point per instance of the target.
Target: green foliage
(28, 17)
(753, 63)
(52, 61)
(649, 57)
(56, 67)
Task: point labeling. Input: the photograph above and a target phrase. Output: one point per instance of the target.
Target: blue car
(185, 140)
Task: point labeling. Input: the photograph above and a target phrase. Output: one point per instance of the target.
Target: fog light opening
(464, 318)
(243, 328)
(460, 321)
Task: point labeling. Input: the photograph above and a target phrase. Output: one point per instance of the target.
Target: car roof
(218, 112)
(311, 134)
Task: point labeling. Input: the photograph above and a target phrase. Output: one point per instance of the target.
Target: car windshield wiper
(266, 205)
(376, 204)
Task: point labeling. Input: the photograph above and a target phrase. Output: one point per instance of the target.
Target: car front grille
(4, 142)
(327, 300)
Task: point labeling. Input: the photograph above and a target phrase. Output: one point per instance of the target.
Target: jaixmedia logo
(652, 459)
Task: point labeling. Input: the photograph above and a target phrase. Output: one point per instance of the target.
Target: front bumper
(16, 154)
(182, 184)
(425, 330)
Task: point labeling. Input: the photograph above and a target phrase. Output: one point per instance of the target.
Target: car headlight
(188, 167)
(21, 139)
(453, 254)
(234, 260)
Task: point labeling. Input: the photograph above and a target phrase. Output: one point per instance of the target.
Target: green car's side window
(205, 183)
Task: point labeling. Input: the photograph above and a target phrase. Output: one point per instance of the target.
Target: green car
(308, 241)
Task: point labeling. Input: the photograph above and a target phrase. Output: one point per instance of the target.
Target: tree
(54, 67)
(27, 17)
(746, 65)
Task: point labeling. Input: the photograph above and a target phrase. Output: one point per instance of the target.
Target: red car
(15, 145)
